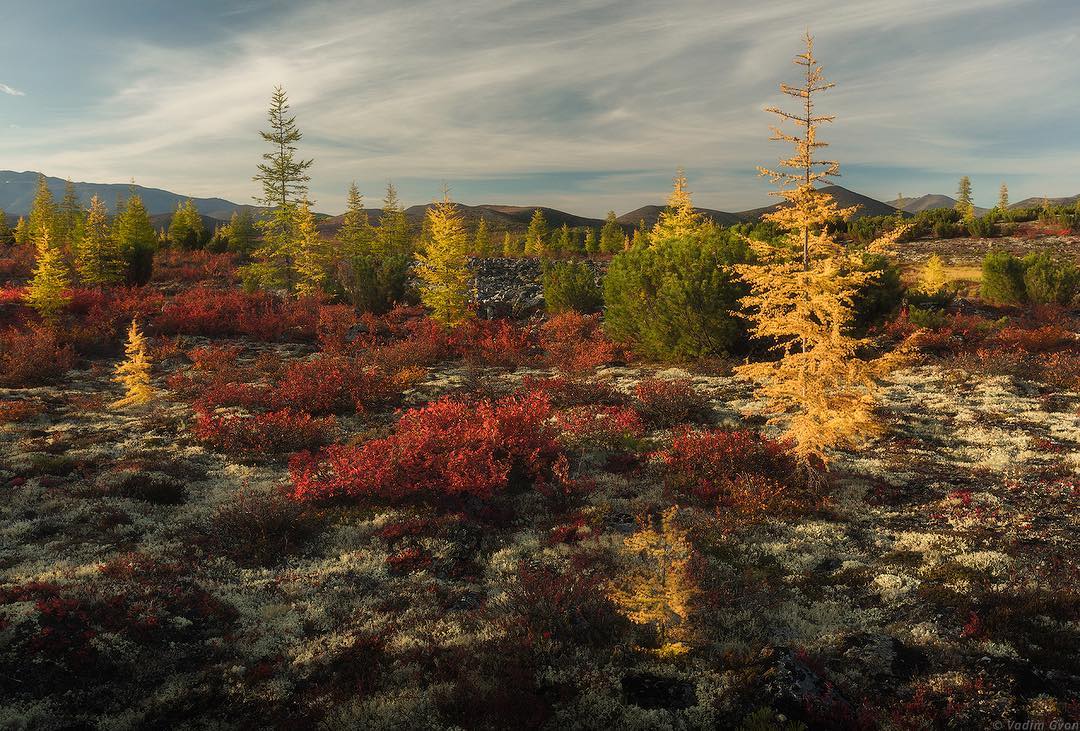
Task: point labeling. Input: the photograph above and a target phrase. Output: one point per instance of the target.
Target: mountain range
(17, 194)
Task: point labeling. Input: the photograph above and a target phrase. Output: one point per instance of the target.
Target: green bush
(932, 319)
(881, 296)
(373, 283)
(981, 227)
(678, 297)
(570, 285)
(947, 230)
(1050, 282)
(1003, 279)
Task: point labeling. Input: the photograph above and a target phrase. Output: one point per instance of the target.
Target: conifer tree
(802, 296)
(136, 240)
(482, 242)
(933, 278)
(537, 235)
(447, 285)
(564, 244)
(134, 372)
(592, 245)
(48, 290)
(392, 236)
(1003, 198)
(661, 590)
(313, 256)
(22, 232)
(69, 216)
(678, 219)
(284, 180)
(6, 234)
(964, 202)
(186, 228)
(43, 212)
(356, 234)
(510, 246)
(241, 232)
(97, 257)
(611, 235)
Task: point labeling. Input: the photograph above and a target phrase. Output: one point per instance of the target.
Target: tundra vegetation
(809, 472)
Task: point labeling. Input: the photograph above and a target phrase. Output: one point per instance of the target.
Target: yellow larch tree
(659, 590)
(48, 289)
(446, 283)
(134, 372)
(312, 256)
(679, 219)
(933, 277)
(97, 257)
(801, 297)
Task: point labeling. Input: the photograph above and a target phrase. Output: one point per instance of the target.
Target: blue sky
(583, 106)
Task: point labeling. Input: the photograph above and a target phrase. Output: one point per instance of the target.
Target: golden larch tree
(679, 219)
(802, 294)
(1003, 198)
(134, 372)
(659, 590)
(48, 290)
(447, 285)
(312, 256)
(933, 276)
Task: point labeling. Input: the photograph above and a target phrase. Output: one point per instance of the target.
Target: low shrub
(268, 436)
(19, 410)
(574, 343)
(497, 343)
(667, 402)
(180, 265)
(563, 391)
(446, 448)
(981, 227)
(738, 471)
(882, 295)
(232, 313)
(678, 298)
(1050, 282)
(338, 385)
(601, 428)
(33, 356)
(570, 286)
(260, 527)
(1003, 279)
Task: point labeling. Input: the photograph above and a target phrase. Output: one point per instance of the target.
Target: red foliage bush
(335, 385)
(447, 448)
(232, 313)
(18, 410)
(264, 436)
(737, 470)
(497, 343)
(333, 327)
(17, 262)
(668, 402)
(181, 265)
(604, 428)
(1045, 339)
(32, 356)
(563, 391)
(573, 343)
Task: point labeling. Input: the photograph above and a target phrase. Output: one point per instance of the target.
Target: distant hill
(1034, 202)
(499, 218)
(650, 214)
(929, 202)
(162, 220)
(844, 198)
(17, 195)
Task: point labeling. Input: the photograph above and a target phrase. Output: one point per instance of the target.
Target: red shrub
(574, 342)
(1045, 339)
(179, 265)
(232, 313)
(17, 262)
(739, 470)
(219, 393)
(11, 411)
(215, 358)
(333, 328)
(334, 385)
(33, 356)
(498, 343)
(444, 448)
(265, 436)
(605, 428)
(665, 403)
(564, 391)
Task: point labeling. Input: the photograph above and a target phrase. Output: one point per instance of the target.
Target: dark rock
(510, 287)
(646, 690)
(793, 688)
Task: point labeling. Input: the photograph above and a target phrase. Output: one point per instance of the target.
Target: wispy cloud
(10, 90)
(533, 94)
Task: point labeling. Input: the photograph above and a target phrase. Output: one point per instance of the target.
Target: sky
(584, 106)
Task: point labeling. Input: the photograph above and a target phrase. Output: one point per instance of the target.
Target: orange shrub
(574, 343)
